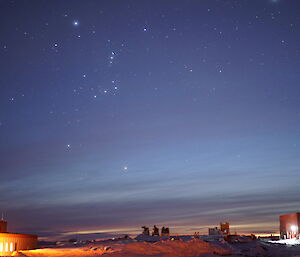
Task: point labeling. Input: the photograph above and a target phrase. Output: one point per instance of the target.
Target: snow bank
(292, 241)
(193, 248)
(175, 248)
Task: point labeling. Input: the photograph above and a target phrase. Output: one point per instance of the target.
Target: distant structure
(197, 235)
(146, 231)
(223, 230)
(214, 231)
(155, 231)
(224, 227)
(14, 242)
(165, 231)
(290, 225)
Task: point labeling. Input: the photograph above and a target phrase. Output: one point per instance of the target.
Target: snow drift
(193, 248)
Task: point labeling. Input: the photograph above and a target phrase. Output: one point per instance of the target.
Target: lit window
(12, 247)
(6, 247)
(1, 247)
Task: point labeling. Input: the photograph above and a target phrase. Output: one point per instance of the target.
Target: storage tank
(290, 225)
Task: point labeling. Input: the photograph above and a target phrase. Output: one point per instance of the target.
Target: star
(125, 168)
(75, 23)
(111, 58)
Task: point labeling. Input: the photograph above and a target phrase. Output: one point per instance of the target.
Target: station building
(223, 230)
(10, 242)
(290, 225)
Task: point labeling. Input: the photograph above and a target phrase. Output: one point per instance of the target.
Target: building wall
(15, 242)
(214, 231)
(290, 225)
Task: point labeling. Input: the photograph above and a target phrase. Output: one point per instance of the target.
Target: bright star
(76, 23)
(125, 168)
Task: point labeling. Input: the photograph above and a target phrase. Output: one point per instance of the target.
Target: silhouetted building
(146, 231)
(155, 231)
(165, 231)
(214, 231)
(290, 225)
(197, 235)
(14, 242)
(223, 230)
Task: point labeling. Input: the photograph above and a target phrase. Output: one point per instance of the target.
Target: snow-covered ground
(292, 241)
(168, 248)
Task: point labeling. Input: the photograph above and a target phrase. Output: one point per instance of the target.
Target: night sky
(120, 113)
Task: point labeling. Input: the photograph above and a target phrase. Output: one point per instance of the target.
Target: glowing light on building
(294, 228)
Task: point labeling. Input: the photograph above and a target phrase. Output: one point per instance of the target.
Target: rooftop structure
(3, 226)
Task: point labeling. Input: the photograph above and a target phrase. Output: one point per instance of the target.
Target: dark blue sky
(118, 114)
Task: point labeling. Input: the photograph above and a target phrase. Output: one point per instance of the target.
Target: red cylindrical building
(290, 225)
